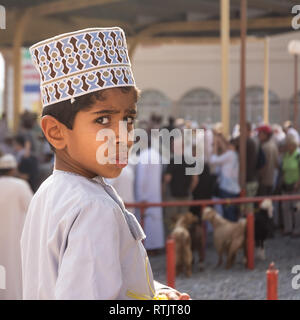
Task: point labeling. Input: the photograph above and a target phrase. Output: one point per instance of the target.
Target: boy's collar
(97, 179)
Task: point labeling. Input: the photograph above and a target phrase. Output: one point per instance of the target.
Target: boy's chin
(110, 174)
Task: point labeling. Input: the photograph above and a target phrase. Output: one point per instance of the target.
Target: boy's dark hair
(65, 111)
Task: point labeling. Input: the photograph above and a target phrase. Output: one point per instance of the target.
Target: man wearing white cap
(79, 241)
(14, 201)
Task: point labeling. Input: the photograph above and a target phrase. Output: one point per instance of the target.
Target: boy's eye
(129, 119)
(103, 120)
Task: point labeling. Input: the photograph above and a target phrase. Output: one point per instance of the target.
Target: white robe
(148, 188)
(15, 196)
(76, 244)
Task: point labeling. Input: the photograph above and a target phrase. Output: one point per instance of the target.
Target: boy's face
(81, 142)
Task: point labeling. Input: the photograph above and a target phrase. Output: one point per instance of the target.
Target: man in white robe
(149, 189)
(14, 201)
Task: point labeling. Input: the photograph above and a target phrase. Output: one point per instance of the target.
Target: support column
(6, 62)
(7, 93)
(21, 24)
(225, 42)
(296, 122)
(243, 133)
(266, 80)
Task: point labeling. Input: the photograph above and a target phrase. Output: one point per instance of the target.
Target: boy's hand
(173, 294)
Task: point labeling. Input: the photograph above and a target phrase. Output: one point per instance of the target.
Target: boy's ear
(53, 131)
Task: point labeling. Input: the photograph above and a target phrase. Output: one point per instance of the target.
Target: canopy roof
(160, 20)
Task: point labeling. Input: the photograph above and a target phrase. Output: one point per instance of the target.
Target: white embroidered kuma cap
(8, 161)
(77, 63)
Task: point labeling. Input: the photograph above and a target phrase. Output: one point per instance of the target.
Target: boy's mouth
(121, 163)
(120, 160)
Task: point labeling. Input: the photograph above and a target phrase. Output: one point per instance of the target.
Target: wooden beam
(149, 41)
(268, 5)
(88, 23)
(39, 27)
(67, 6)
(200, 26)
(208, 6)
(214, 25)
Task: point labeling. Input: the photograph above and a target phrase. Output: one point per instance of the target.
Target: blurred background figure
(27, 162)
(177, 185)
(289, 129)
(291, 185)
(268, 174)
(148, 188)
(3, 128)
(14, 201)
(268, 171)
(278, 134)
(225, 156)
(251, 163)
(208, 142)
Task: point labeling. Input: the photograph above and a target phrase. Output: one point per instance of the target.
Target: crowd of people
(272, 167)
(29, 147)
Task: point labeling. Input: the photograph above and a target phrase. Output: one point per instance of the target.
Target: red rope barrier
(212, 202)
(170, 246)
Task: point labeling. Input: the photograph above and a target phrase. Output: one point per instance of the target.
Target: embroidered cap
(80, 62)
(8, 161)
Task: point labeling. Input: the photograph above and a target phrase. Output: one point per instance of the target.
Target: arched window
(254, 106)
(200, 104)
(153, 101)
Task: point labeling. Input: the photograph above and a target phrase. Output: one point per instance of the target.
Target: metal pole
(142, 212)
(225, 42)
(266, 80)
(243, 137)
(296, 92)
(171, 263)
(272, 282)
(250, 241)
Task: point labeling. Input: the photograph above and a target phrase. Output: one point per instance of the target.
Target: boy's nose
(122, 134)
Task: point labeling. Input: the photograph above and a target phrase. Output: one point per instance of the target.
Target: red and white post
(171, 263)
(250, 241)
(272, 282)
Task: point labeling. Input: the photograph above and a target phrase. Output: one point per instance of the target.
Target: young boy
(79, 241)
